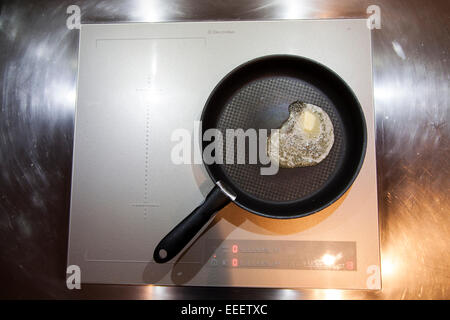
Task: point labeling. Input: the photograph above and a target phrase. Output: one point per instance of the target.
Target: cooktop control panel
(282, 254)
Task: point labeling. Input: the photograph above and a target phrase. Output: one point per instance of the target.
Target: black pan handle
(185, 231)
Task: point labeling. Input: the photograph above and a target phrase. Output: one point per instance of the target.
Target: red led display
(349, 265)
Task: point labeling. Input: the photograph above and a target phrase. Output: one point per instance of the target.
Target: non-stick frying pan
(257, 95)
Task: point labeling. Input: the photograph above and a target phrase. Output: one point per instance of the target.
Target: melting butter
(304, 139)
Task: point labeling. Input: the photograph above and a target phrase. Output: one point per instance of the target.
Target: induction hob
(137, 84)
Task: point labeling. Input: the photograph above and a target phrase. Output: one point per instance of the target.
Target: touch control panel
(281, 254)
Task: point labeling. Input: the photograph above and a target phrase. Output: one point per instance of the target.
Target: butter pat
(310, 123)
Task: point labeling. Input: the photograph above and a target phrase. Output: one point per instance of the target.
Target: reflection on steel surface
(411, 75)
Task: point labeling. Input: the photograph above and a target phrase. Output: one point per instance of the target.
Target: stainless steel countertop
(411, 81)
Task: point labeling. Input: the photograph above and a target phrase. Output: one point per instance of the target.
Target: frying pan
(257, 95)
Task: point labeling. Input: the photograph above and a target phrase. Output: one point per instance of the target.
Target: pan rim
(351, 179)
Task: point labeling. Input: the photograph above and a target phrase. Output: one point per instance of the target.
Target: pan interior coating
(263, 104)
